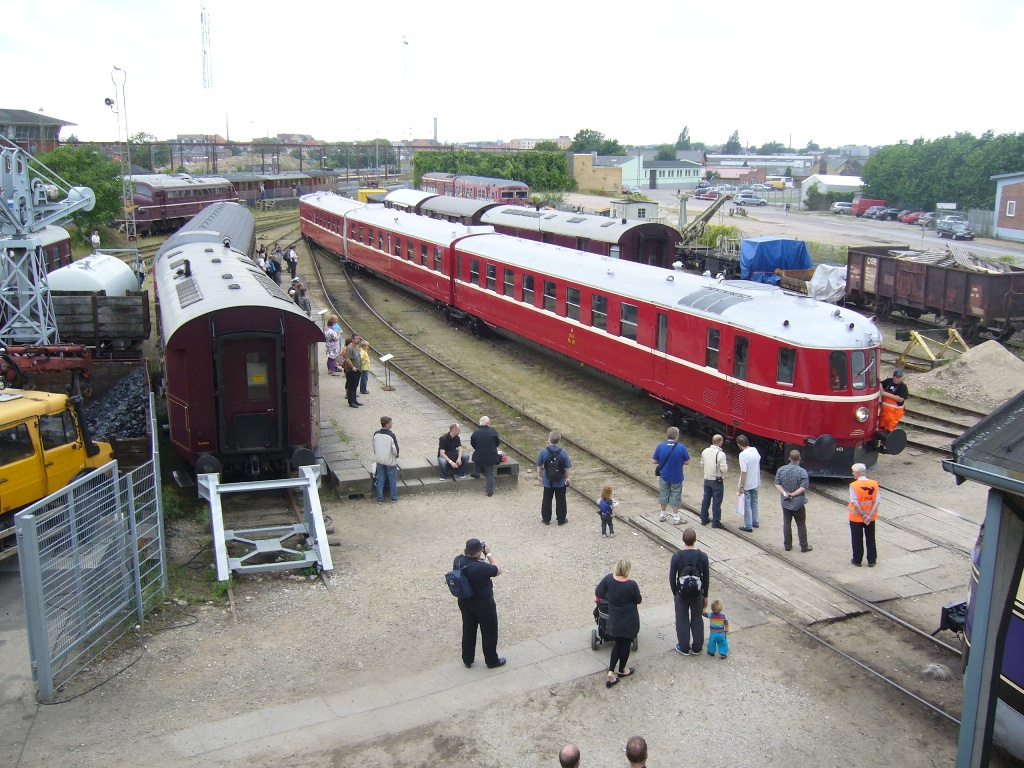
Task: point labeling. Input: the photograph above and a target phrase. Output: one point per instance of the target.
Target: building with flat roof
(32, 131)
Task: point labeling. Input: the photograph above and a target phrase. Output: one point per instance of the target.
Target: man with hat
(894, 395)
(479, 567)
(293, 291)
(864, 500)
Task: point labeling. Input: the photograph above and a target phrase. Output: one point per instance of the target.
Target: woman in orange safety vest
(864, 499)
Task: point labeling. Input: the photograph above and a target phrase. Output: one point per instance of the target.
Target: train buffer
(933, 349)
(269, 543)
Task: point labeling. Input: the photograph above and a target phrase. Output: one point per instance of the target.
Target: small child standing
(605, 505)
(718, 624)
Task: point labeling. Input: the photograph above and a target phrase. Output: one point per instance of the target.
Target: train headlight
(862, 414)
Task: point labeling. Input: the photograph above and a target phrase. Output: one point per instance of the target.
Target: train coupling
(953, 617)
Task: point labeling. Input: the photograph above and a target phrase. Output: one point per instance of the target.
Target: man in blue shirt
(669, 459)
(553, 473)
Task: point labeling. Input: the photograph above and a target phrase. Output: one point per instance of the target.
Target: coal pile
(122, 411)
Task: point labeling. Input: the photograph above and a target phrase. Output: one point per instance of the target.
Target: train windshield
(838, 370)
(864, 370)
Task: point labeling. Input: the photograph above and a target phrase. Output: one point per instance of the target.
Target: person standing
(333, 339)
(864, 500)
(623, 596)
(750, 480)
(636, 752)
(894, 394)
(485, 442)
(670, 457)
(350, 365)
(792, 483)
(385, 453)
(95, 240)
(449, 453)
(479, 611)
(293, 261)
(364, 367)
(569, 756)
(553, 474)
(303, 301)
(715, 465)
(688, 576)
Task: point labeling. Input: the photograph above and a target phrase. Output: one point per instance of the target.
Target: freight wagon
(977, 296)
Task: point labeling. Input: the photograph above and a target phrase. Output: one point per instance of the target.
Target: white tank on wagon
(96, 273)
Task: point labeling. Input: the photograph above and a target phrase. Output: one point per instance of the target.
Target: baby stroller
(599, 634)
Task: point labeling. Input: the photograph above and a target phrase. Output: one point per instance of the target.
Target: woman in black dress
(623, 596)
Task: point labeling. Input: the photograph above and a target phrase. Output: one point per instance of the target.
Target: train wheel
(913, 314)
(447, 314)
(476, 327)
(883, 309)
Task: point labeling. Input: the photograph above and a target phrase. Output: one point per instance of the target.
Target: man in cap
(479, 566)
(864, 501)
(894, 395)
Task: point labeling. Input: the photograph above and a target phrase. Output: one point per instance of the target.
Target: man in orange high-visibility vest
(864, 499)
(894, 395)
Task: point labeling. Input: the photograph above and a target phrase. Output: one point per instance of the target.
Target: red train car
(723, 356)
(477, 188)
(163, 202)
(240, 358)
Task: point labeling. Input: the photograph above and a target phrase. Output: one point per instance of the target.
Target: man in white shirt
(750, 479)
(715, 466)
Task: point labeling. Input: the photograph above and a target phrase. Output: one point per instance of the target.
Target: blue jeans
(713, 490)
(391, 473)
(459, 471)
(364, 379)
(750, 517)
(718, 640)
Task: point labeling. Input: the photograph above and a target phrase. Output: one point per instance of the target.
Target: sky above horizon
(868, 72)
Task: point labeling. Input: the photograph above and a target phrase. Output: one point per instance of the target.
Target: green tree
(82, 165)
(148, 152)
(733, 146)
(683, 142)
(611, 147)
(546, 146)
(666, 152)
(771, 148)
(811, 147)
(589, 140)
(542, 171)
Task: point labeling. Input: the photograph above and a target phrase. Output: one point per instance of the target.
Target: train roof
(491, 181)
(759, 308)
(48, 235)
(600, 228)
(457, 206)
(177, 180)
(408, 196)
(438, 175)
(419, 227)
(283, 176)
(212, 224)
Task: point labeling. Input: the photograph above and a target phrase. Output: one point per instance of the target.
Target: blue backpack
(457, 583)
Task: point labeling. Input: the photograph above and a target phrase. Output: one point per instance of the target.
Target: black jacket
(485, 442)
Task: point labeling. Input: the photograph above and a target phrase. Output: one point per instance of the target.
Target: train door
(660, 373)
(250, 411)
(737, 387)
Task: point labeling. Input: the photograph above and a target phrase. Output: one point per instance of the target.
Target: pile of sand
(988, 372)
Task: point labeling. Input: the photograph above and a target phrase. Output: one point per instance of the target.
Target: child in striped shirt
(718, 625)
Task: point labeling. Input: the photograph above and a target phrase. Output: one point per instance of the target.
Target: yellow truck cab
(43, 446)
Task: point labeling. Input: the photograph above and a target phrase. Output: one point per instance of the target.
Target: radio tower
(204, 19)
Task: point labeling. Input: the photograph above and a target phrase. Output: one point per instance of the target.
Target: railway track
(523, 435)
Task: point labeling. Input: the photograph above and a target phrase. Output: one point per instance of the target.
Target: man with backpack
(479, 566)
(553, 474)
(688, 576)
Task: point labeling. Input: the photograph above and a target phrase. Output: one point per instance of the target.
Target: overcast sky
(850, 72)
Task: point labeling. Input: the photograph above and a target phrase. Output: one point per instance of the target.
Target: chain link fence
(92, 564)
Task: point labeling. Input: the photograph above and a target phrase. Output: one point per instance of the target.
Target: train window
(57, 430)
(257, 376)
(492, 277)
(423, 254)
(739, 366)
(437, 258)
(628, 321)
(15, 444)
(582, 244)
(599, 312)
(572, 303)
(380, 240)
(863, 368)
(787, 366)
(352, 236)
(361, 233)
(837, 372)
(410, 250)
(528, 289)
(550, 295)
(458, 266)
(398, 246)
(711, 357)
(510, 282)
(662, 332)
(474, 271)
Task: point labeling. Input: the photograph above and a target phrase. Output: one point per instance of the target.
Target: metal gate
(92, 563)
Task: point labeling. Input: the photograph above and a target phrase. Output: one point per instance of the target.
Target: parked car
(926, 220)
(957, 230)
(841, 208)
(631, 191)
(759, 188)
(707, 194)
(748, 198)
(912, 217)
(888, 214)
(873, 211)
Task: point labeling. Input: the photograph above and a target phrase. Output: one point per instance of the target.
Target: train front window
(257, 376)
(628, 321)
(838, 371)
(863, 368)
(711, 356)
(550, 295)
(572, 303)
(786, 371)
(599, 312)
(742, 348)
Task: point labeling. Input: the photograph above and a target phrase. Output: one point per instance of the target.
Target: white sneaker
(663, 517)
(677, 519)
(612, 536)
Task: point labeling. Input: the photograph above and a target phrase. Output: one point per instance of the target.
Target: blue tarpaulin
(761, 256)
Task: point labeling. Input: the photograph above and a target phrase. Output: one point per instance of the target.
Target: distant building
(563, 142)
(632, 210)
(32, 131)
(797, 166)
(861, 151)
(1009, 206)
(830, 183)
(597, 173)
